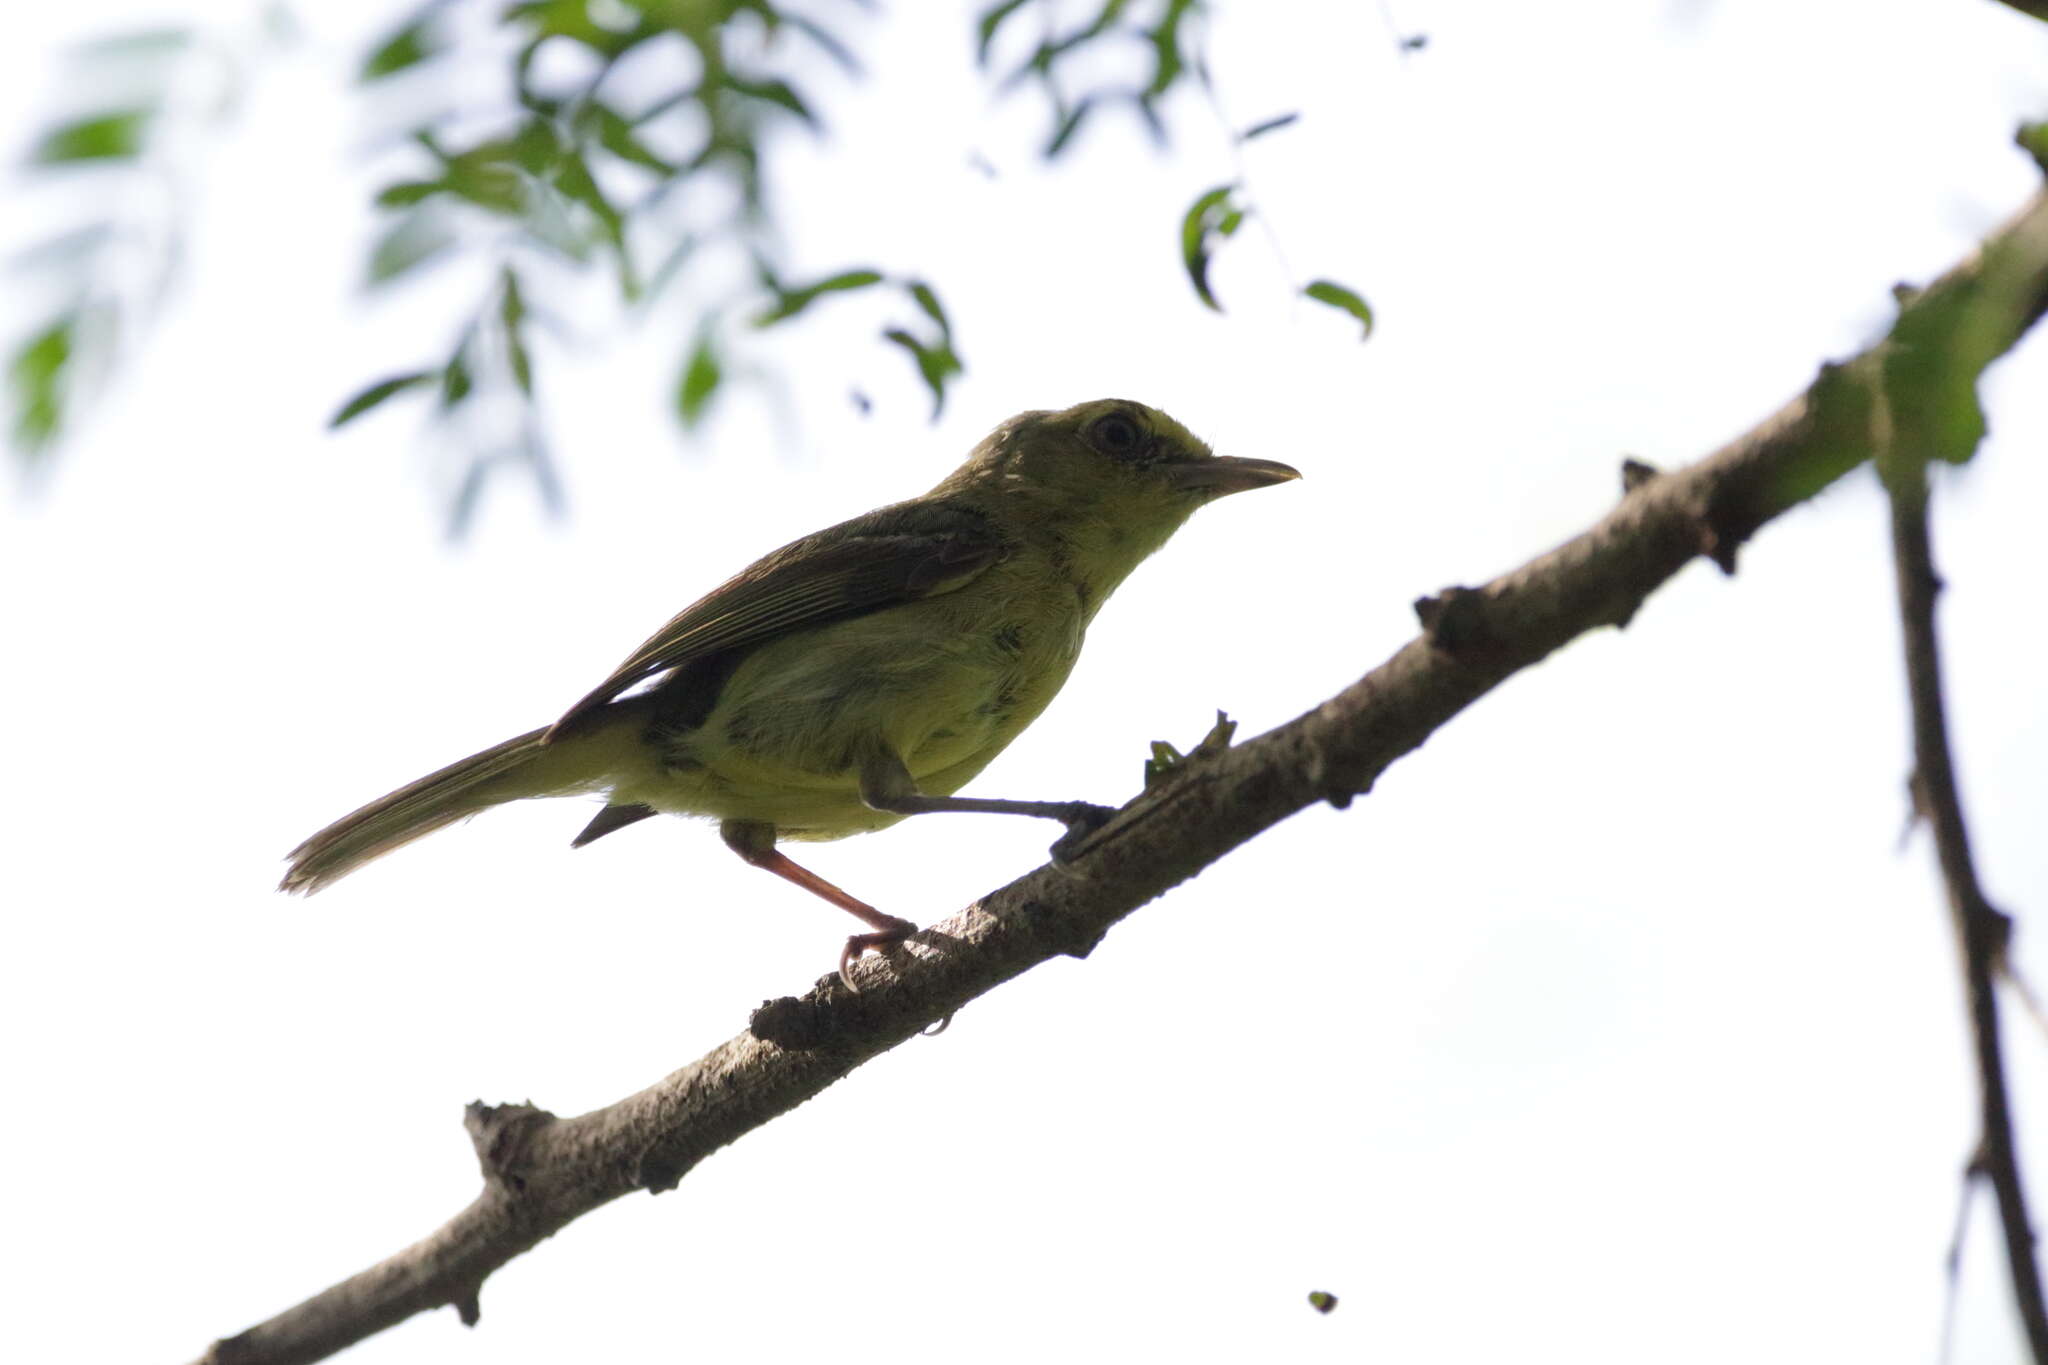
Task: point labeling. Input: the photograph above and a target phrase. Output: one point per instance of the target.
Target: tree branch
(1982, 932)
(541, 1172)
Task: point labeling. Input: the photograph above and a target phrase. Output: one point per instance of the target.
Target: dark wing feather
(889, 557)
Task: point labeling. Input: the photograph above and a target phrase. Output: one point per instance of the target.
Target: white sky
(1612, 1026)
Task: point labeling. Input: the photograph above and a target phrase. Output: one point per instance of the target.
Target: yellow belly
(945, 685)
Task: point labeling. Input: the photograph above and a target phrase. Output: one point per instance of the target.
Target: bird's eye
(1117, 435)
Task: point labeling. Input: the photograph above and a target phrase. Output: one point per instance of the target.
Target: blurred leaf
(512, 317)
(1165, 38)
(701, 377)
(489, 183)
(1271, 125)
(1068, 126)
(1322, 1302)
(145, 43)
(412, 44)
(617, 136)
(1211, 217)
(115, 136)
(456, 380)
(789, 302)
(405, 193)
(412, 241)
(775, 92)
(36, 373)
(1337, 296)
(929, 302)
(2033, 140)
(935, 364)
(992, 19)
(827, 41)
(376, 394)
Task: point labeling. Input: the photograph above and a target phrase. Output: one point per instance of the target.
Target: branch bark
(541, 1172)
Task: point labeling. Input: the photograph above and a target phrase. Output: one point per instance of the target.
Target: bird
(859, 675)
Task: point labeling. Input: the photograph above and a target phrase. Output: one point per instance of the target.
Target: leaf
(789, 302)
(456, 380)
(929, 302)
(412, 44)
(146, 43)
(1337, 296)
(376, 394)
(2033, 140)
(512, 317)
(409, 243)
(778, 93)
(1068, 126)
(701, 378)
(36, 374)
(827, 41)
(1271, 125)
(985, 28)
(1321, 1301)
(405, 193)
(113, 136)
(935, 364)
(1210, 217)
(618, 137)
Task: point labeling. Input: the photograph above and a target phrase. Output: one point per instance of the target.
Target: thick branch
(541, 1172)
(1982, 932)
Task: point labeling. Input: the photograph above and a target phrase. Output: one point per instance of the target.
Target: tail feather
(437, 800)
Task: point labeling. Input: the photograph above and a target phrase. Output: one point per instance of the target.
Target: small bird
(857, 675)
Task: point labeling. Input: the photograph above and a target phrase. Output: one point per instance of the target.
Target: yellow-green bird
(860, 674)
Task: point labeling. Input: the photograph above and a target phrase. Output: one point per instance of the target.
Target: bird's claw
(1083, 818)
(881, 940)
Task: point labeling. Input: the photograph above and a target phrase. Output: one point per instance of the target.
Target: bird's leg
(754, 840)
(886, 785)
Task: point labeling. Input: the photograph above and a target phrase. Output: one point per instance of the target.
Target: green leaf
(2033, 140)
(1212, 216)
(618, 137)
(491, 185)
(1337, 296)
(408, 47)
(929, 302)
(1068, 126)
(113, 136)
(985, 27)
(1321, 1301)
(37, 374)
(935, 364)
(778, 93)
(1271, 125)
(456, 381)
(376, 394)
(405, 193)
(409, 243)
(512, 318)
(701, 378)
(789, 302)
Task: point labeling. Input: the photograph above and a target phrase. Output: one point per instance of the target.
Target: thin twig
(1981, 930)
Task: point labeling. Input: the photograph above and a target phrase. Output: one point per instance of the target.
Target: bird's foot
(1082, 818)
(895, 931)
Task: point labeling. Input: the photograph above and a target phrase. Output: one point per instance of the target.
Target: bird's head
(1112, 478)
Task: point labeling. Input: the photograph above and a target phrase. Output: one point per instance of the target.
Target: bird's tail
(517, 768)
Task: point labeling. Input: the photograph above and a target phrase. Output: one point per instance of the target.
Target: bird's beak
(1229, 474)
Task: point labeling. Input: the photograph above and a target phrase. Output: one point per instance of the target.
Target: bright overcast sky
(1613, 1026)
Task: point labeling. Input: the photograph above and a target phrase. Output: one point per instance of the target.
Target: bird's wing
(884, 559)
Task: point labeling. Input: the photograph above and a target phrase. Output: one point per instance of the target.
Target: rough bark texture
(541, 1172)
